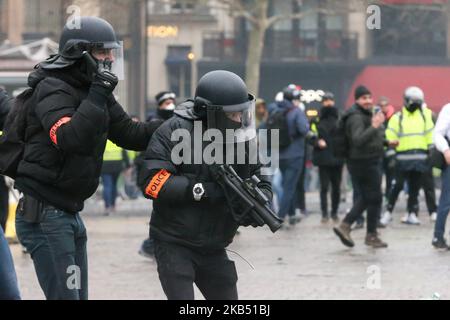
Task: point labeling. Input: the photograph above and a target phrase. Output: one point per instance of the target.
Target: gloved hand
(102, 87)
(248, 220)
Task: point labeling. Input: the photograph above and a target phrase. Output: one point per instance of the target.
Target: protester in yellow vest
(115, 159)
(413, 128)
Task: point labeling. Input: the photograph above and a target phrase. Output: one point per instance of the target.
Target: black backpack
(12, 141)
(277, 120)
(340, 143)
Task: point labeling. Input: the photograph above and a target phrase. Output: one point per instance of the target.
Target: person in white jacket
(441, 140)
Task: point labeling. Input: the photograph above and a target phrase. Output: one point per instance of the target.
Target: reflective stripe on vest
(412, 157)
(112, 152)
(131, 155)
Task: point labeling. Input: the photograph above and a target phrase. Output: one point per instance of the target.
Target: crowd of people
(76, 133)
(372, 141)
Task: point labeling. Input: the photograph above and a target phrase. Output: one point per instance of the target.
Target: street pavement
(304, 262)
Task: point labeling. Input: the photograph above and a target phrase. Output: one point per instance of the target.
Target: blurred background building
(171, 44)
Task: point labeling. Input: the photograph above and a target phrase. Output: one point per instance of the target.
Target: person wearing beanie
(361, 91)
(166, 102)
(365, 136)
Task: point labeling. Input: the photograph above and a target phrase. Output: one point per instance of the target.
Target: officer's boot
(343, 232)
(374, 241)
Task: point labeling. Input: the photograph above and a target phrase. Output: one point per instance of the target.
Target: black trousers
(330, 176)
(301, 202)
(428, 186)
(414, 184)
(180, 267)
(366, 177)
(389, 173)
(4, 203)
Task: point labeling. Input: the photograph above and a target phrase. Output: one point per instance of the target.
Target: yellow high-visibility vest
(132, 155)
(112, 152)
(314, 128)
(414, 131)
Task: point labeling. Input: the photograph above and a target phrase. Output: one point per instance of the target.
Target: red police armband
(55, 128)
(158, 181)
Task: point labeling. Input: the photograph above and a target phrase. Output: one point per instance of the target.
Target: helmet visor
(118, 66)
(111, 59)
(236, 122)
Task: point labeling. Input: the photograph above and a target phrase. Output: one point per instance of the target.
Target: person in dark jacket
(71, 115)
(193, 219)
(8, 280)
(292, 158)
(330, 167)
(166, 106)
(5, 106)
(166, 101)
(365, 135)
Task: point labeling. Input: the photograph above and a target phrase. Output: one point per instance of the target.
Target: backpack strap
(400, 123)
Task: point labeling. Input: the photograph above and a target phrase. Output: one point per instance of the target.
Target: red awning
(413, 1)
(391, 82)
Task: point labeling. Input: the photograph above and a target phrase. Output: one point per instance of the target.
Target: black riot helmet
(82, 35)
(92, 32)
(222, 97)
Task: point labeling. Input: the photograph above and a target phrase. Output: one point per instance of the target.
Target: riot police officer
(71, 115)
(192, 223)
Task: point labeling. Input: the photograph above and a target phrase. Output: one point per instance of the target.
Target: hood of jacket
(72, 75)
(186, 111)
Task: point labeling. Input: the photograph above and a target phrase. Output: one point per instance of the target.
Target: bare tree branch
(300, 15)
(237, 9)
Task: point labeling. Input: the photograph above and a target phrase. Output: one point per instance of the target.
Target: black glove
(102, 87)
(249, 220)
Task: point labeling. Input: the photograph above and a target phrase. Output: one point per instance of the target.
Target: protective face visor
(77, 49)
(118, 65)
(236, 123)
